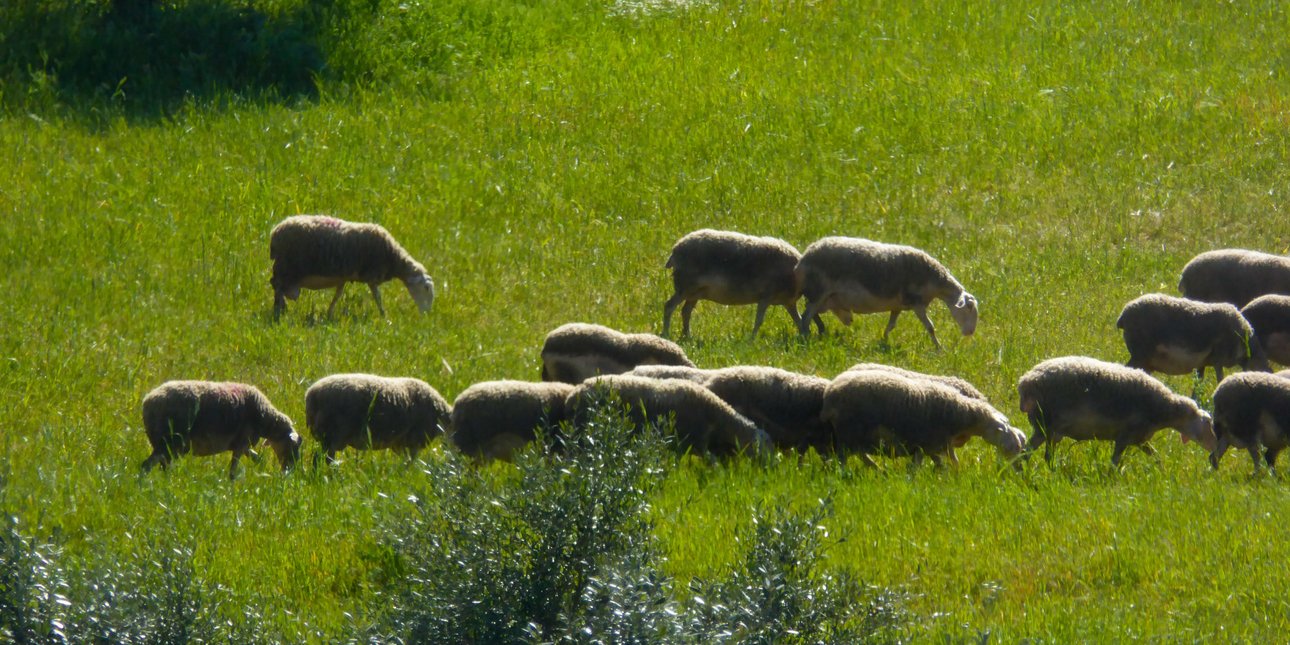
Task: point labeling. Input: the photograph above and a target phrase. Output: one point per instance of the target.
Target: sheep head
(1002, 435)
(1199, 427)
(421, 287)
(964, 312)
(283, 438)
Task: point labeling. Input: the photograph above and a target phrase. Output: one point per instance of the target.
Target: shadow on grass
(87, 60)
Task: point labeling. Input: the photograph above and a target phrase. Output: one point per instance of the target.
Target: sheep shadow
(149, 62)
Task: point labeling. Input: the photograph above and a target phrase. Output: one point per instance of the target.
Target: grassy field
(540, 158)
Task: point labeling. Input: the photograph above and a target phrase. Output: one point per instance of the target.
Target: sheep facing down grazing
(207, 418)
(365, 411)
(692, 374)
(1252, 411)
(494, 419)
(1234, 276)
(575, 352)
(701, 422)
(1176, 336)
(1270, 317)
(963, 387)
(785, 404)
(850, 275)
(732, 269)
(879, 411)
(1084, 398)
(320, 252)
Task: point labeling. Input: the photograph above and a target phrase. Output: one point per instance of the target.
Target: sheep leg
(669, 308)
(157, 458)
(686, 312)
(954, 458)
(891, 324)
(927, 324)
(1270, 456)
(761, 315)
(376, 295)
(279, 303)
(1255, 457)
(340, 288)
(1218, 372)
(812, 312)
(1122, 441)
(1218, 451)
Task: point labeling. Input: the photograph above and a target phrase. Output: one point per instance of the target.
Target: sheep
(1085, 398)
(1270, 317)
(320, 252)
(963, 387)
(701, 421)
(693, 374)
(785, 404)
(575, 352)
(207, 418)
(732, 269)
(1252, 410)
(1176, 336)
(366, 411)
(875, 411)
(494, 419)
(845, 275)
(1234, 276)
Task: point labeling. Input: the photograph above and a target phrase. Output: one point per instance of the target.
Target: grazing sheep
(364, 411)
(1270, 317)
(1252, 410)
(1176, 336)
(692, 374)
(319, 252)
(207, 418)
(494, 419)
(845, 275)
(701, 421)
(785, 404)
(875, 411)
(963, 387)
(1234, 276)
(1084, 398)
(732, 269)
(576, 352)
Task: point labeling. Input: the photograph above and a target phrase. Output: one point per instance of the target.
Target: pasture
(540, 158)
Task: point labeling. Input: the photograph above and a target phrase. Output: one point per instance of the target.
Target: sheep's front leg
(340, 288)
(812, 312)
(376, 295)
(1219, 449)
(668, 308)
(921, 312)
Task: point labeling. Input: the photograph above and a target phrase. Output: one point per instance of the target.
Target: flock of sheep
(870, 409)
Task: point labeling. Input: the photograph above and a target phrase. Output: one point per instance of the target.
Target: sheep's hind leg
(686, 312)
(761, 316)
(376, 295)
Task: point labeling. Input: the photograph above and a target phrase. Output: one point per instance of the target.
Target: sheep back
(785, 404)
(1234, 276)
(1252, 410)
(731, 268)
(493, 419)
(209, 417)
(575, 352)
(962, 386)
(1176, 336)
(1084, 398)
(701, 421)
(1269, 315)
(366, 411)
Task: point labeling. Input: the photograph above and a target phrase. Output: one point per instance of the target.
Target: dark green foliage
(564, 552)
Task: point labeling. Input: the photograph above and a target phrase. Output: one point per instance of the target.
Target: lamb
(575, 352)
(732, 269)
(1270, 317)
(702, 422)
(785, 404)
(365, 411)
(1252, 410)
(845, 275)
(1084, 398)
(1234, 276)
(494, 419)
(1176, 336)
(207, 418)
(875, 411)
(319, 252)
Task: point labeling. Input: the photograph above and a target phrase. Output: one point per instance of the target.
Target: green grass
(1060, 159)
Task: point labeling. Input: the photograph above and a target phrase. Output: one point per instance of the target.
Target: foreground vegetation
(540, 158)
